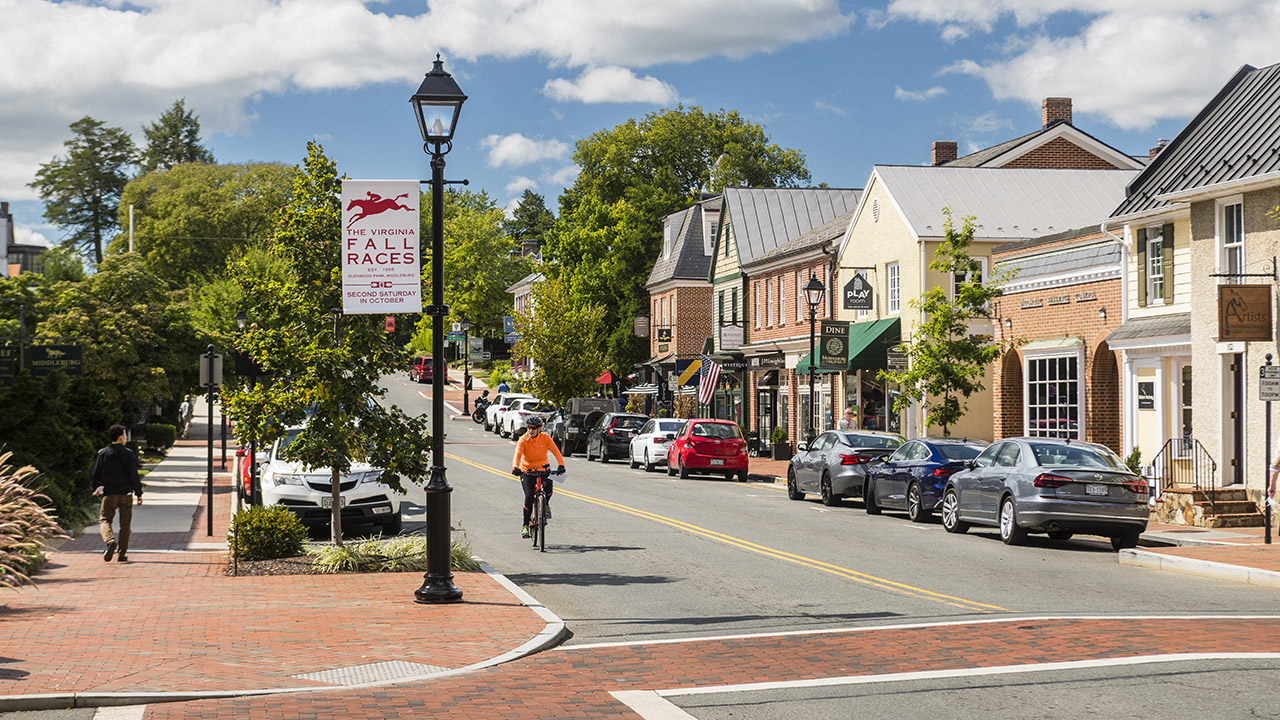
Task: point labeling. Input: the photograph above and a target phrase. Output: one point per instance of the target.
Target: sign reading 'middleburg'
(1244, 312)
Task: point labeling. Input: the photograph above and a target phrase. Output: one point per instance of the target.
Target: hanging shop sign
(833, 351)
(43, 360)
(731, 337)
(772, 361)
(664, 334)
(857, 293)
(380, 247)
(1244, 312)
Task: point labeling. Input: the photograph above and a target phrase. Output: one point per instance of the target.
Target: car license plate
(1095, 489)
(327, 502)
(717, 461)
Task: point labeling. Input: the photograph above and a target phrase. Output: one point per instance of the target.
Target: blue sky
(848, 84)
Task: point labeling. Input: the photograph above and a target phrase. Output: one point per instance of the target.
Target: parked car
(1059, 487)
(835, 464)
(649, 445)
(611, 436)
(915, 475)
(493, 413)
(517, 416)
(570, 430)
(421, 370)
(307, 493)
(707, 446)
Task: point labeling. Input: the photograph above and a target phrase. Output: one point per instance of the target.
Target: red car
(709, 446)
(420, 370)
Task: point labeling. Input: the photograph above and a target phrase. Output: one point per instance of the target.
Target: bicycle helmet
(535, 422)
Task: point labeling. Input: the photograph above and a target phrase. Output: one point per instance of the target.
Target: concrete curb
(1204, 568)
(553, 633)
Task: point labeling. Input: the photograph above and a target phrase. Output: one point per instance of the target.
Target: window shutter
(1142, 267)
(1167, 246)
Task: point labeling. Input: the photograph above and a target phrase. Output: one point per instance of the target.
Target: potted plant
(778, 441)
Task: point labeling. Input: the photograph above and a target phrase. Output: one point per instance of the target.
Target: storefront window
(1053, 397)
(1185, 402)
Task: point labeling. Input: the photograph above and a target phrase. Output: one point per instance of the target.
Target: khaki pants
(107, 513)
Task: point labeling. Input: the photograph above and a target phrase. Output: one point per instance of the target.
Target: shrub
(160, 436)
(402, 553)
(1134, 460)
(352, 557)
(24, 525)
(779, 436)
(265, 533)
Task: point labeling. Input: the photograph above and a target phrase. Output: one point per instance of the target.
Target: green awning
(868, 349)
(802, 368)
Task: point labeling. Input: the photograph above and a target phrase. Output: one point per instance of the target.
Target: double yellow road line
(846, 573)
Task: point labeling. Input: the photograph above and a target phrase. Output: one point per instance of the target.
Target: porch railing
(1185, 462)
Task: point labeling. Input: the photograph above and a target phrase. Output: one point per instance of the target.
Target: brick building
(1062, 380)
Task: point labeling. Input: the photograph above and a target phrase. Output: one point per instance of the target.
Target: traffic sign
(1269, 383)
(486, 355)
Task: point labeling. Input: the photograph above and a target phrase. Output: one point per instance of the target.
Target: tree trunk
(335, 517)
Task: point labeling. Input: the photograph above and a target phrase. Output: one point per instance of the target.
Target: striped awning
(642, 389)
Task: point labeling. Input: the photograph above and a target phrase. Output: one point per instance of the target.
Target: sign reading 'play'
(380, 247)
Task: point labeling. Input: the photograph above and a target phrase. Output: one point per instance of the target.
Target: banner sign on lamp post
(380, 247)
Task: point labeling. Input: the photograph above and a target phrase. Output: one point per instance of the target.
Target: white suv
(308, 493)
(493, 413)
(515, 420)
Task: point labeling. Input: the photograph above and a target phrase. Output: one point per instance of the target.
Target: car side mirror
(802, 446)
(970, 464)
(670, 436)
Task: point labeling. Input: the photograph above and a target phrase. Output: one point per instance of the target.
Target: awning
(802, 368)
(606, 378)
(869, 347)
(1068, 343)
(642, 389)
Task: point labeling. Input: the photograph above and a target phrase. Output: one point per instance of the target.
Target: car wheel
(395, 525)
(648, 462)
(684, 471)
(631, 459)
(915, 505)
(869, 498)
(829, 498)
(671, 469)
(951, 521)
(604, 453)
(1010, 532)
(793, 491)
(742, 476)
(588, 452)
(1124, 542)
(1060, 535)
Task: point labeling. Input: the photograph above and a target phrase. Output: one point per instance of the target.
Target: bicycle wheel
(533, 522)
(540, 539)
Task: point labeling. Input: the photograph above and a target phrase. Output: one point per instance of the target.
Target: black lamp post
(437, 104)
(255, 492)
(812, 295)
(466, 365)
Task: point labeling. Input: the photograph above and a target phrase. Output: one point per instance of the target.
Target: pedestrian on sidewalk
(848, 423)
(503, 387)
(184, 417)
(115, 477)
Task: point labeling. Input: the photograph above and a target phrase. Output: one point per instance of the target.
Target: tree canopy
(530, 223)
(173, 139)
(555, 336)
(82, 189)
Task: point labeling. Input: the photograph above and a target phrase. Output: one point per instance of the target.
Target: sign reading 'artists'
(1244, 312)
(380, 247)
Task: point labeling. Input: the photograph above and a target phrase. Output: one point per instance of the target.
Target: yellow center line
(749, 546)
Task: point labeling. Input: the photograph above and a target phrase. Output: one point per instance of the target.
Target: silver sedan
(1059, 487)
(834, 465)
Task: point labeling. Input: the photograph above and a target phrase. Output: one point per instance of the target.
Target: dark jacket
(115, 470)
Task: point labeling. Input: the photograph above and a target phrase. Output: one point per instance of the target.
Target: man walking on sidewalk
(114, 477)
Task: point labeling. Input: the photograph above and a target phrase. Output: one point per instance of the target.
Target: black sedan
(611, 436)
(914, 476)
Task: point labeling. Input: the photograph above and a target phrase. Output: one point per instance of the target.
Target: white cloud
(27, 236)
(900, 94)
(824, 105)
(987, 122)
(518, 185)
(611, 84)
(517, 150)
(1131, 62)
(509, 210)
(562, 177)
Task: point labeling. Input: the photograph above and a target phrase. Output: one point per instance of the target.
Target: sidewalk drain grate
(373, 672)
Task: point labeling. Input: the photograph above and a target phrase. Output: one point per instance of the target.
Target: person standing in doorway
(115, 478)
(848, 422)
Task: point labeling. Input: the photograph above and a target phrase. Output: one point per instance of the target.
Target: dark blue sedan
(914, 476)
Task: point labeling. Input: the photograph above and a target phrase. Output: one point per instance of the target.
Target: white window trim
(985, 275)
(1155, 233)
(782, 300)
(1178, 365)
(1081, 413)
(755, 289)
(800, 280)
(1219, 232)
(893, 288)
(769, 303)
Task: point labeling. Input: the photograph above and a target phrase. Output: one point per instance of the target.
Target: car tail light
(1049, 480)
(945, 471)
(1138, 487)
(854, 459)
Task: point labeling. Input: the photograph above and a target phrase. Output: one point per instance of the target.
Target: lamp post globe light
(437, 105)
(812, 296)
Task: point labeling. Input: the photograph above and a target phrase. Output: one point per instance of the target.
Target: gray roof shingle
(688, 259)
(1065, 260)
(1153, 327)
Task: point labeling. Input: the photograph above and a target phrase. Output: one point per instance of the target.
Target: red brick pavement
(569, 683)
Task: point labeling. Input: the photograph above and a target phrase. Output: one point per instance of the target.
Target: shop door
(765, 403)
(1236, 471)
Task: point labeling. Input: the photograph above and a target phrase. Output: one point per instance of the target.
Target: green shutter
(1142, 267)
(1167, 245)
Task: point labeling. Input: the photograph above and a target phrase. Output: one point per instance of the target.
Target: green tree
(174, 139)
(81, 191)
(322, 364)
(190, 219)
(945, 363)
(530, 222)
(609, 231)
(553, 334)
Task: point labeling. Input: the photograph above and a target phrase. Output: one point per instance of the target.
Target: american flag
(708, 377)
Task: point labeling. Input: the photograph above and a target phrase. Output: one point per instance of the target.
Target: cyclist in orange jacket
(531, 455)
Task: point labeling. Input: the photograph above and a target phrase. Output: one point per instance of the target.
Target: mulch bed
(300, 565)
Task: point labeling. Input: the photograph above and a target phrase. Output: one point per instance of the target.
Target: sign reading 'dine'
(380, 247)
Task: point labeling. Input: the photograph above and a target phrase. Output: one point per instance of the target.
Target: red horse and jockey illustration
(375, 204)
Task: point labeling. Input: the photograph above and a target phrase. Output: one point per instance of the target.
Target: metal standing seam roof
(764, 218)
(1007, 203)
(1063, 260)
(1153, 327)
(824, 234)
(1236, 136)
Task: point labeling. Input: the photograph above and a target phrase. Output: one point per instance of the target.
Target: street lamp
(466, 365)
(437, 105)
(251, 365)
(812, 295)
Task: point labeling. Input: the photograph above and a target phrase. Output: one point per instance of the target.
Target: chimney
(4, 209)
(1054, 109)
(944, 151)
(1151, 154)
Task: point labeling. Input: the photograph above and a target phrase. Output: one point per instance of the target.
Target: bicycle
(538, 516)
